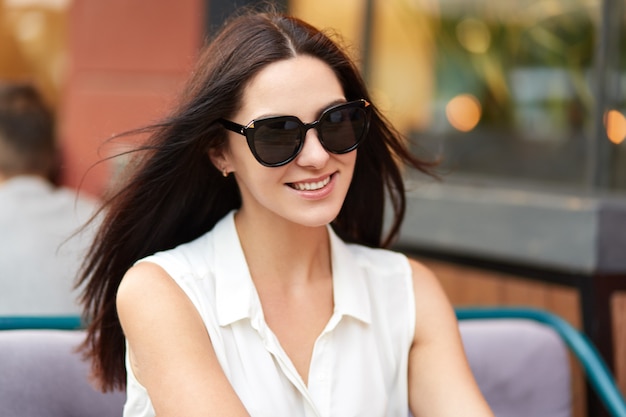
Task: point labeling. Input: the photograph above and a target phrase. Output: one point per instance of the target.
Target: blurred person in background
(41, 241)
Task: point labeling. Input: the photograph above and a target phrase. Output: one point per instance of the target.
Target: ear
(219, 158)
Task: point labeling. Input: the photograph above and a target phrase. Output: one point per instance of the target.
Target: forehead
(301, 86)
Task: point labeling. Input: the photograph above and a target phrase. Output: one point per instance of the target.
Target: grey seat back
(522, 367)
(42, 375)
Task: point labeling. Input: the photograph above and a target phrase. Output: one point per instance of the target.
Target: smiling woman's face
(309, 190)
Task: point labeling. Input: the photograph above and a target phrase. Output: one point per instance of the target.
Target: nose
(313, 153)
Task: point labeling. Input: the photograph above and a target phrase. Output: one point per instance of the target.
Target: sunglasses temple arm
(232, 126)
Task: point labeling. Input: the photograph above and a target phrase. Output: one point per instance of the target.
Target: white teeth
(310, 186)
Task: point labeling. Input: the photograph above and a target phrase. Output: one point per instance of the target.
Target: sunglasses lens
(276, 140)
(343, 128)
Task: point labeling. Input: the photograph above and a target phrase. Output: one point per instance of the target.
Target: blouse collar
(237, 298)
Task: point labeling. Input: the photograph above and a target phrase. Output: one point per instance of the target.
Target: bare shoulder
(433, 309)
(144, 280)
(145, 286)
(148, 293)
(152, 307)
(420, 271)
(425, 283)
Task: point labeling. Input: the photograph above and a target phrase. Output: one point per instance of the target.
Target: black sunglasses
(277, 140)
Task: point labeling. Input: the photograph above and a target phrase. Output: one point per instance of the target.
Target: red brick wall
(126, 61)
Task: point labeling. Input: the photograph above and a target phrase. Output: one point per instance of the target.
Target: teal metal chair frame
(41, 322)
(598, 375)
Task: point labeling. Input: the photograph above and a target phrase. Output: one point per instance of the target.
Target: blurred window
(527, 92)
(33, 44)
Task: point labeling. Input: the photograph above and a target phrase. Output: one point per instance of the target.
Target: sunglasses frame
(248, 130)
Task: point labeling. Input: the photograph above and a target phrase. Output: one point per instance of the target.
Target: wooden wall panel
(618, 309)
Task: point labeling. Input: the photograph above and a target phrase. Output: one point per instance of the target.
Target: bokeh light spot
(615, 123)
(464, 112)
(474, 35)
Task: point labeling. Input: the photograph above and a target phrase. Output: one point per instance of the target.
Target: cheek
(238, 154)
(249, 172)
(259, 185)
(349, 160)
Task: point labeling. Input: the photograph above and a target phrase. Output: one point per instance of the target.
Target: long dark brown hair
(175, 194)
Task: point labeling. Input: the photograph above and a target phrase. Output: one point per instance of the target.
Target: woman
(236, 272)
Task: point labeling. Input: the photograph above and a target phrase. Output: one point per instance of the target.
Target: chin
(316, 217)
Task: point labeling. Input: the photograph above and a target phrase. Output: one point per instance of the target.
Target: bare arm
(171, 352)
(441, 383)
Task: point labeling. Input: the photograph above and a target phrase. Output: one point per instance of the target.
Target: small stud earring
(224, 172)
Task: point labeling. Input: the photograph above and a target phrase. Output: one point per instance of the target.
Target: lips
(310, 186)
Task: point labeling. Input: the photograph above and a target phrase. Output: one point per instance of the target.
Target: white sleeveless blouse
(359, 365)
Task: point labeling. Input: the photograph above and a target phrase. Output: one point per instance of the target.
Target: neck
(283, 251)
